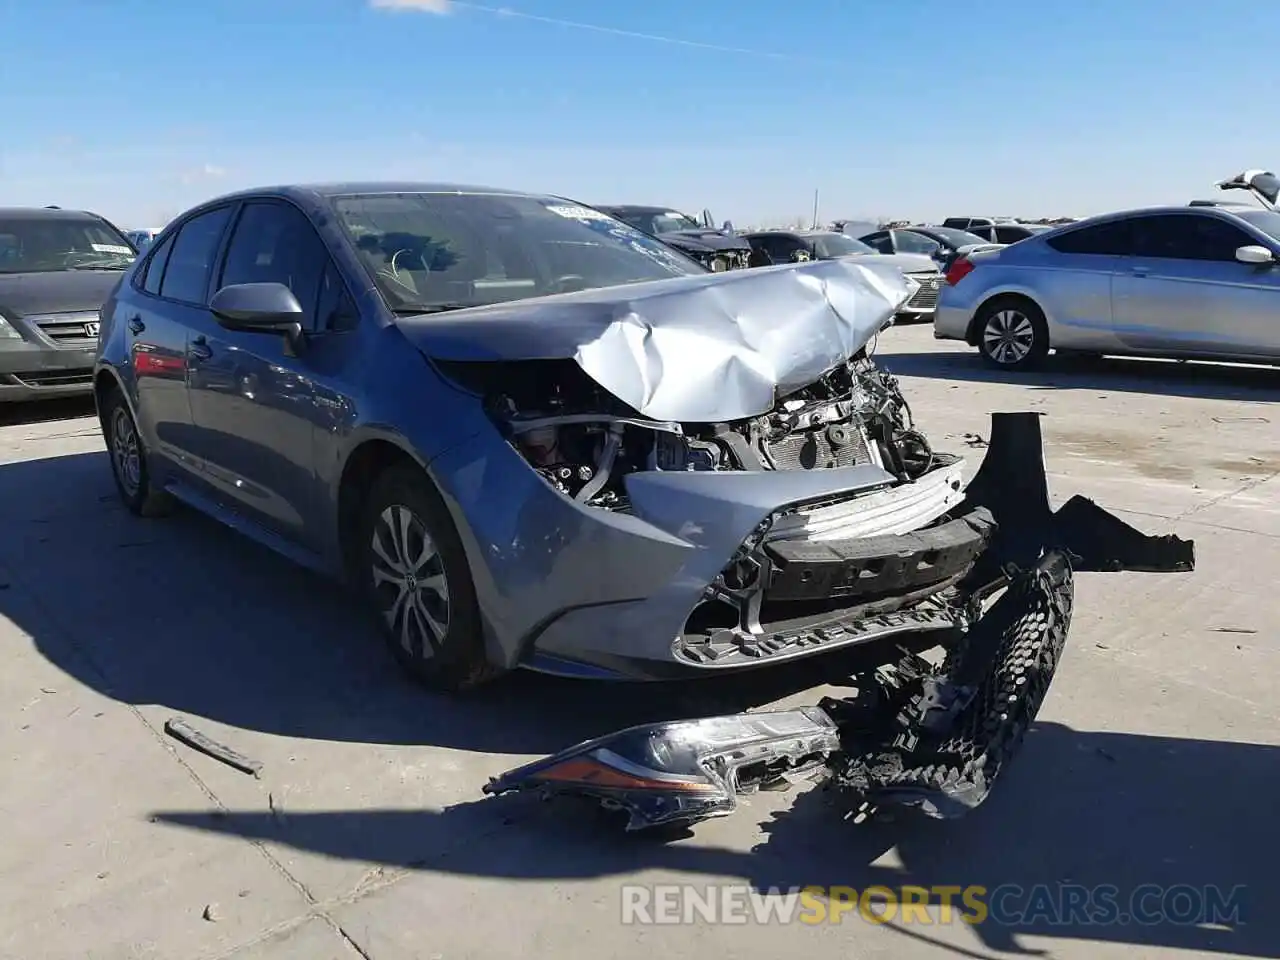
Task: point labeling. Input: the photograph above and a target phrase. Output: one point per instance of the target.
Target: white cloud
(208, 171)
(425, 6)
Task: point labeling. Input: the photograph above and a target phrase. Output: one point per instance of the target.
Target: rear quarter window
(1112, 239)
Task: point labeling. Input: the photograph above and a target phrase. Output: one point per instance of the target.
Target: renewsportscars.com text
(1062, 904)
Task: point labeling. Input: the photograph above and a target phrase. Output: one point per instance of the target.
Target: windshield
(661, 221)
(955, 238)
(908, 242)
(447, 250)
(828, 246)
(39, 244)
(1267, 221)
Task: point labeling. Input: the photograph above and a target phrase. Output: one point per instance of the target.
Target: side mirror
(1255, 254)
(728, 227)
(259, 308)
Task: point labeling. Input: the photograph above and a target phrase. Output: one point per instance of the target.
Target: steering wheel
(391, 273)
(395, 267)
(569, 283)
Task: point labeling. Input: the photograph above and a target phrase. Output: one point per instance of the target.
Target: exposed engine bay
(583, 442)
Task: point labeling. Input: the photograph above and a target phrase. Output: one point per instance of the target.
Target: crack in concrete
(1223, 497)
(69, 637)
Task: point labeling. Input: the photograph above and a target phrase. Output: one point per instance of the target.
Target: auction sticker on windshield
(578, 213)
(109, 248)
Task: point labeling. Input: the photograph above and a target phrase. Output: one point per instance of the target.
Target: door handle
(136, 326)
(199, 349)
(1140, 271)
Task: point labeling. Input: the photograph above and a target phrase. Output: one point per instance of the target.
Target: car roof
(313, 191)
(637, 208)
(1153, 211)
(46, 213)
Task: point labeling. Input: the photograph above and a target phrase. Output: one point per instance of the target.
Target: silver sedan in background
(1196, 281)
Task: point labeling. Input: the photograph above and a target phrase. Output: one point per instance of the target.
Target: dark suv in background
(996, 229)
(57, 268)
(716, 250)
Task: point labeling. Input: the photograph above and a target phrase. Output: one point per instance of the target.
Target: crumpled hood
(67, 291)
(704, 241)
(701, 349)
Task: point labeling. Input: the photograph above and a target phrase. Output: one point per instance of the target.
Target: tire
(1012, 334)
(129, 460)
(416, 579)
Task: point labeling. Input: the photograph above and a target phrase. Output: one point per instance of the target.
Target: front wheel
(129, 460)
(418, 582)
(1012, 334)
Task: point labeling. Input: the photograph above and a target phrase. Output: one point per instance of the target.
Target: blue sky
(913, 108)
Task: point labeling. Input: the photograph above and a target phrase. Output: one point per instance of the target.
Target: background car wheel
(129, 460)
(418, 583)
(1012, 334)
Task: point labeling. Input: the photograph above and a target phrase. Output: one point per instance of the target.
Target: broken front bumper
(924, 735)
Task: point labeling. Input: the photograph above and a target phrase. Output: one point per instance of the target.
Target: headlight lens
(719, 264)
(7, 332)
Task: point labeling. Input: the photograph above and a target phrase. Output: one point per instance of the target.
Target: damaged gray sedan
(532, 436)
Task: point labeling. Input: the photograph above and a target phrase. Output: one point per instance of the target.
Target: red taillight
(960, 269)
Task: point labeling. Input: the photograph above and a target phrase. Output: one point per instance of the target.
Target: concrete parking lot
(1156, 759)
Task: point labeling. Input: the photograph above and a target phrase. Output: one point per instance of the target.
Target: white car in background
(1200, 281)
(143, 238)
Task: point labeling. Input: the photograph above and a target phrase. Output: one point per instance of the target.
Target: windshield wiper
(96, 266)
(432, 308)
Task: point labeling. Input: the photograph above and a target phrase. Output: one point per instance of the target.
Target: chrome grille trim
(925, 298)
(66, 328)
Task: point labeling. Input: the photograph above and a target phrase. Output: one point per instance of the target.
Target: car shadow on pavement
(1167, 828)
(1207, 381)
(182, 612)
(42, 411)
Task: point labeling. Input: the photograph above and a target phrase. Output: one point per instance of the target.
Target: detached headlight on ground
(687, 769)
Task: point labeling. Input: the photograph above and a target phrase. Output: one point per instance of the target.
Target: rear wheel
(418, 582)
(129, 459)
(1012, 334)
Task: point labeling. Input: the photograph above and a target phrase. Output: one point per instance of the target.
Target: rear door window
(186, 276)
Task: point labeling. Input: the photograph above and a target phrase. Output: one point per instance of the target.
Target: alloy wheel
(125, 454)
(409, 581)
(1009, 336)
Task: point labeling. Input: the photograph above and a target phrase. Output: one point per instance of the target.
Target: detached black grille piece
(836, 445)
